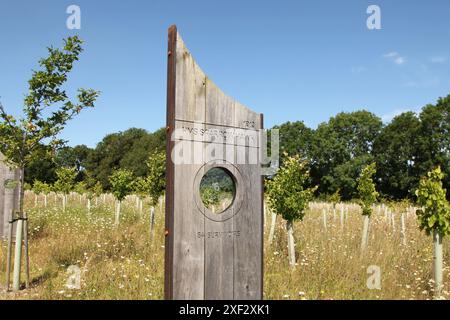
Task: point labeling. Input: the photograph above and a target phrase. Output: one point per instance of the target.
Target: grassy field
(125, 263)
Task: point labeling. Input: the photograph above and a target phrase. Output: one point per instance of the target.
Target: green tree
(75, 157)
(434, 217)
(141, 189)
(126, 150)
(19, 138)
(41, 167)
(38, 190)
(367, 197)
(396, 151)
(295, 139)
(156, 177)
(65, 182)
(340, 149)
(156, 181)
(434, 140)
(288, 195)
(80, 188)
(97, 189)
(121, 185)
(210, 196)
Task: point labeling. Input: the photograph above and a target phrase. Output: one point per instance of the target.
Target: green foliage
(121, 183)
(335, 198)
(295, 138)
(126, 150)
(431, 196)
(19, 138)
(366, 189)
(65, 182)
(80, 188)
(339, 150)
(288, 192)
(156, 178)
(434, 140)
(97, 189)
(41, 187)
(395, 150)
(141, 187)
(210, 196)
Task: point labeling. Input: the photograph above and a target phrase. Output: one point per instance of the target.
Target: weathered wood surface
(8, 197)
(208, 255)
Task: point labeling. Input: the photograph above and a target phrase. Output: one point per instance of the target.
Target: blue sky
(291, 60)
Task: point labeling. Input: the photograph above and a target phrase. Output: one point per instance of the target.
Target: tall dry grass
(125, 263)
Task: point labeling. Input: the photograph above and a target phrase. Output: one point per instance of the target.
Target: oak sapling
(81, 189)
(39, 125)
(141, 189)
(367, 197)
(38, 189)
(122, 182)
(156, 182)
(335, 198)
(65, 182)
(44, 188)
(434, 218)
(97, 190)
(289, 194)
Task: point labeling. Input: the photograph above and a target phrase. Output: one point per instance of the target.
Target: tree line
(404, 150)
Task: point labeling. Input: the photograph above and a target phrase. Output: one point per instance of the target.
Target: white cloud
(399, 60)
(438, 59)
(395, 57)
(390, 54)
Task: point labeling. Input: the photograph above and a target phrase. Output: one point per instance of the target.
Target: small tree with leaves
(289, 194)
(156, 182)
(20, 138)
(42, 188)
(121, 185)
(97, 190)
(80, 188)
(335, 198)
(141, 189)
(367, 197)
(210, 196)
(38, 190)
(65, 182)
(434, 217)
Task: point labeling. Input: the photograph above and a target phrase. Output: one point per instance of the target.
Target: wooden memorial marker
(214, 248)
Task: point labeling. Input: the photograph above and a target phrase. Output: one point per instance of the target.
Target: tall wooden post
(210, 255)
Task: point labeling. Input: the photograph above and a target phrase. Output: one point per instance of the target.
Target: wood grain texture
(9, 198)
(212, 256)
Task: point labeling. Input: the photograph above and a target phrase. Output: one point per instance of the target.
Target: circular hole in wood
(217, 190)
